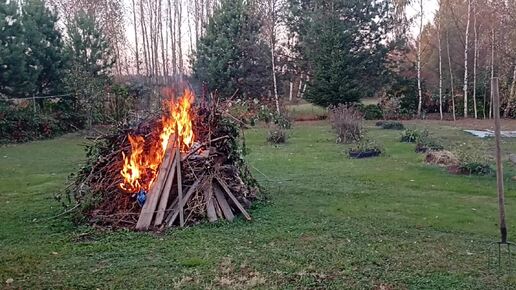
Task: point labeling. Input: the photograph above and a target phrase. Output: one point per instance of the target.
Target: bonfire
(179, 168)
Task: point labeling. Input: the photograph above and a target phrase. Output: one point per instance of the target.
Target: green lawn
(330, 222)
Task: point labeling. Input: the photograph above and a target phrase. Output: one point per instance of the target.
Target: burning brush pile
(179, 168)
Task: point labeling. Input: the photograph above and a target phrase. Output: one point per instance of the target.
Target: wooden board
(210, 207)
(233, 198)
(149, 208)
(160, 213)
(223, 203)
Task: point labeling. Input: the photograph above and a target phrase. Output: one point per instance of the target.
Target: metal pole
(499, 166)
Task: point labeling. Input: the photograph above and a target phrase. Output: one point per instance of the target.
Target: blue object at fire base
(141, 197)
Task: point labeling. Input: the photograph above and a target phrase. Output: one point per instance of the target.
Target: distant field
(330, 222)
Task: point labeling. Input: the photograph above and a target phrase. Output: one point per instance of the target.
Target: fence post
(495, 95)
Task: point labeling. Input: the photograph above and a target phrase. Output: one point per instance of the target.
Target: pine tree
(231, 55)
(46, 61)
(91, 62)
(343, 43)
(13, 74)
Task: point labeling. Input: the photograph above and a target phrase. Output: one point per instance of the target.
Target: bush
(412, 135)
(426, 143)
(277, 136)
(474, 159)
(476, 168)
(347, 121)
(366, 148)
(392, 125)
(372, 112)
(20, 124)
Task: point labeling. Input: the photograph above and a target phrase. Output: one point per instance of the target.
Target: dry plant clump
(442, 158)
(348, 122)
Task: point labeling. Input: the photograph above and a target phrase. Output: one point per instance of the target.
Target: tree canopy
(232, 55)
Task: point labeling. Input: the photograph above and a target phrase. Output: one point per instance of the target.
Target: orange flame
(141, 167)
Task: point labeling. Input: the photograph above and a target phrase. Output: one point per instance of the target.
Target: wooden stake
(148, 210)
(180, 189)
(499, 165)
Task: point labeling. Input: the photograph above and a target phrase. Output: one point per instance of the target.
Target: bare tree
(420, 92)
(466, 51)
(475, 59)
(137, 52)
(439, 20)
(452, 86)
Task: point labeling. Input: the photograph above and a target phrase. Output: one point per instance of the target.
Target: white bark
(466, 47)
(420, 92)
(492, 68)
(137, 51)
(452, 91)
(475, 60)
(440, 62)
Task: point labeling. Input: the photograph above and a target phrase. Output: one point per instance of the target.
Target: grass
(329, 222)
(306, 112)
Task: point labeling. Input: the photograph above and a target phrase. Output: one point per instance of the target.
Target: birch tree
(420, 92)
(466, 50)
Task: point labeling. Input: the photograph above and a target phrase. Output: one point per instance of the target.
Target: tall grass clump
(347, 122)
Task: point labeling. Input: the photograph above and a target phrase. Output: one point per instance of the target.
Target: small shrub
(277, 136)
(348, 122)
(426, 144)
(474, 159)
(476, 168)
(412, 135)
(372, 112)
(366, 148)
(379, 123)
(393, 125)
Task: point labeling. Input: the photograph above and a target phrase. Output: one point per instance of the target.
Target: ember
(176, 169)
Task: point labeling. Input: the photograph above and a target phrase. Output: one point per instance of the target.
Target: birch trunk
(420, 92)
(179, 40)
(475, 60)
(451, 76)
(466, 47)
(492, 69)
(510, 102)
(440, 63)
(137, 52)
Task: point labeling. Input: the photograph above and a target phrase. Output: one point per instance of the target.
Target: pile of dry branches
(211, 182)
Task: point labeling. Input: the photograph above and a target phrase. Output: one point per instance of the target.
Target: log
(233, 198)
(149, 208)
(223, 203)
(160, 214)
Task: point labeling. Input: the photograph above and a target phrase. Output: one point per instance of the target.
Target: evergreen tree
(13, 74)
(343, 45)
(91, 62)
(45, 61)
(231, 55)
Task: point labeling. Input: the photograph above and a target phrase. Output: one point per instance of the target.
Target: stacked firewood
(210, 181)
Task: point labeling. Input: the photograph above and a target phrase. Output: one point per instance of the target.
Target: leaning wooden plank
(175, 210)
(233, 198)
(166, 193)
(149, 208)
(223, 203)
(210, 208)
(180, 189)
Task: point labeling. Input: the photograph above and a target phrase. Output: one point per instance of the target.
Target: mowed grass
(329, 222)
